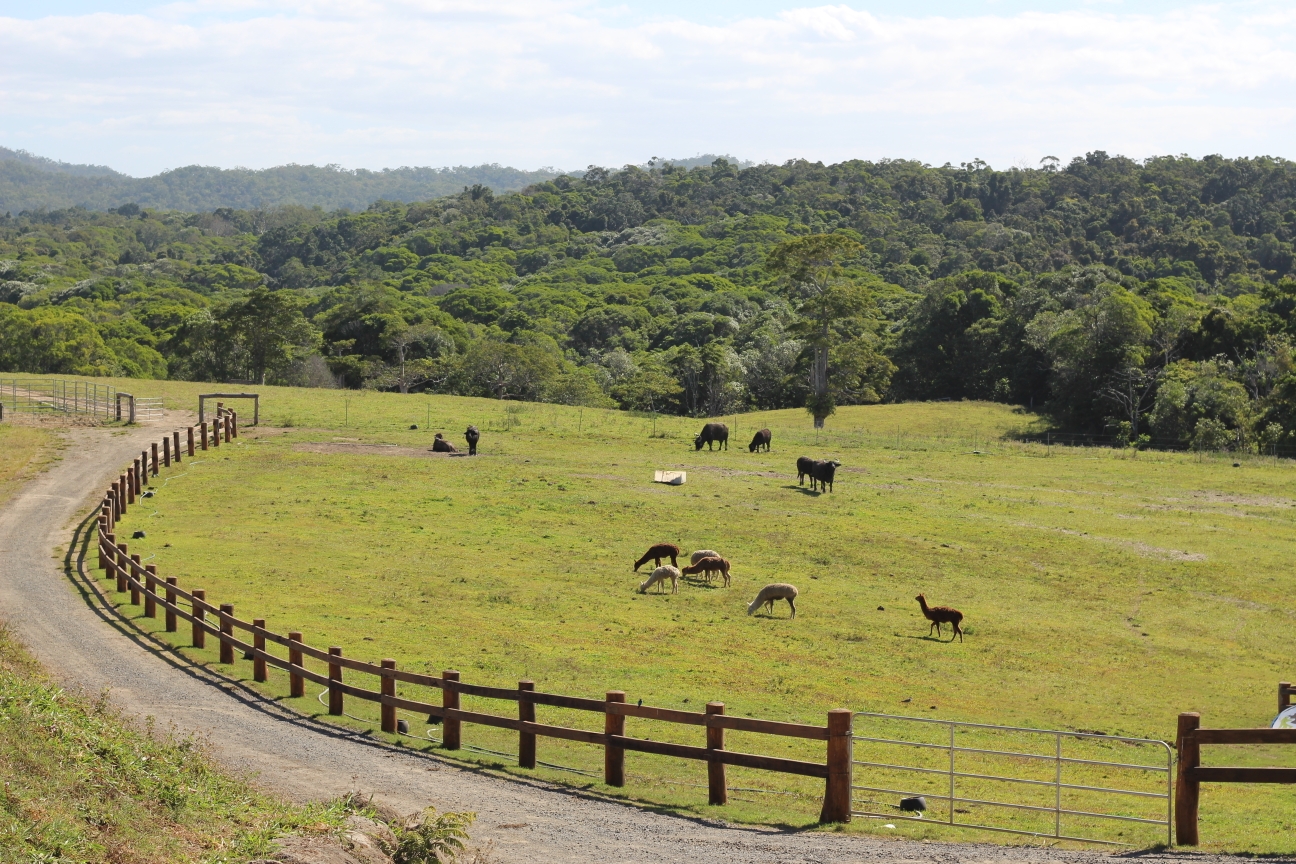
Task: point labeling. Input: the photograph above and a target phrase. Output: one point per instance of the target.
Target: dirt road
(45, 601)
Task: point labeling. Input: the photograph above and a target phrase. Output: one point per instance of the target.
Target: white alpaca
(770, 593)
(659, 577)
(703, 553)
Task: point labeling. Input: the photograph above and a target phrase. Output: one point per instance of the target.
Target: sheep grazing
(939, 615)
(759, 440)
(823, 472)
(703, 553)
(770, 593)
(657, 553)
(709, 565)
(659, 577)
(712, 432)
(805, 467)
(473, 437)
(441, 445)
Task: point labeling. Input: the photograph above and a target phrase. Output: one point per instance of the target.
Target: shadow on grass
(804, 491)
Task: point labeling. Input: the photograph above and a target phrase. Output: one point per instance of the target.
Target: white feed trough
(670, 478)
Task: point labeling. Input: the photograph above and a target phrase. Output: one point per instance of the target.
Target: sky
(145, 86)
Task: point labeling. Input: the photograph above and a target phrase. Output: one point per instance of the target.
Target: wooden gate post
(199, 634)
(526, 712)
(296, 683)
(226, 629)
(335, 674)
(837, 789)
(122, 558)
(1187, 790)
(450, 729)
(150, 590)
(388, 688)
(258, 642)
(717, 788)
(614, 757)
(134, 580)
(171, 599)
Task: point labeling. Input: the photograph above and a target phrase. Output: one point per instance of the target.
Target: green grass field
(23, 451)
(1101, 592)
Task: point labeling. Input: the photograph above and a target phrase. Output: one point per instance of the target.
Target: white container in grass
(671, 478)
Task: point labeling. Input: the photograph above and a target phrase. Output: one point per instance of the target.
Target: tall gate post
(1187, 790)
(837, 788)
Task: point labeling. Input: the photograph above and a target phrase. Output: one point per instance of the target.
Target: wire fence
(58, 396)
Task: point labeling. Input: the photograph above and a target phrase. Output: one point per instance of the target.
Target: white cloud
(378, 84)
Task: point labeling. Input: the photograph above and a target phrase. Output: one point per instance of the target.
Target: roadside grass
(23, 450)
(1101, 591)
(82, 784)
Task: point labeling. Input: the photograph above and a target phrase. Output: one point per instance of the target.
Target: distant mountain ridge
(30, 182)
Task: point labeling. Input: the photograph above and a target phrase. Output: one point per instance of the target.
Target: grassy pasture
(1101, 592)
(22, 450)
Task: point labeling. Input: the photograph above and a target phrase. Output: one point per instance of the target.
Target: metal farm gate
(1084, 786)
(32, 395)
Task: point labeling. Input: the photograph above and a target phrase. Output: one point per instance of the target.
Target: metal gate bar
(1058, 811)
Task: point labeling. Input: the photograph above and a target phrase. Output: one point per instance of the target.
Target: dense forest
(1150, 300)
(29, 182)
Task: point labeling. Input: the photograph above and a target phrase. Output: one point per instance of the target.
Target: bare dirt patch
(371, 450)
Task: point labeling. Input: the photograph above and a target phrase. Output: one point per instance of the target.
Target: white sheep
(770, 593)
(659, 577)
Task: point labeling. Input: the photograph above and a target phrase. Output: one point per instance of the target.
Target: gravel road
(46, 602)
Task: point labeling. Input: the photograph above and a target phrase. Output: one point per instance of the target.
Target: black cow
(441, 445)
(473, 437)
(805, 466)
(717, 432)
(761, 439)
(823, 472)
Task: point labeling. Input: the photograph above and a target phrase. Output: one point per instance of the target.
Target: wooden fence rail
(220, 622)
(1191, 774)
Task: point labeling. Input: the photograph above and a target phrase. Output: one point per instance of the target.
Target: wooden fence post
(199, 614)
(155, 459)
(450, 729)
(717, 788)
(103, 554)
(296, 683)
(202, 430)
(388, 688)
(1284, 695)
(132, 483)
(166, 451)
(121, 497)
(258, 642)
(335, 674)
(133, 572)
(171, 598)
(122, 558)
(115, 502)
(1187, 790)
(234, 423)
(150, 589)
(526, 713)
(614, 757)
(226, 629)
(175, 441)
(837, 789)
(141, 469)
(189, 436)
(215, 433)
(226, 428)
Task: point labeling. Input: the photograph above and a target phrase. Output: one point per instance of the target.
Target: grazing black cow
(759, 440)
(823, 472)
(805, 466)
(473, 437)
(441, 445)
(717, 432)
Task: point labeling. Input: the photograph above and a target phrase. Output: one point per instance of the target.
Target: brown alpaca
(657, 553)
(939, 615)
(709, 566)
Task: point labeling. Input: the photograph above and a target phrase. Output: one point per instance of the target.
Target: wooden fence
(1191, 773)
(206, 618)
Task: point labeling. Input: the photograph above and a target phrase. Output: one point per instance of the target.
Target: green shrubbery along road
(1102, 589)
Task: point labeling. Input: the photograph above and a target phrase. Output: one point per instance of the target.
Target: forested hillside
(1141, 298)
(30, 182)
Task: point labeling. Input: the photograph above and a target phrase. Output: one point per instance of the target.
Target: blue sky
(146, 86)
